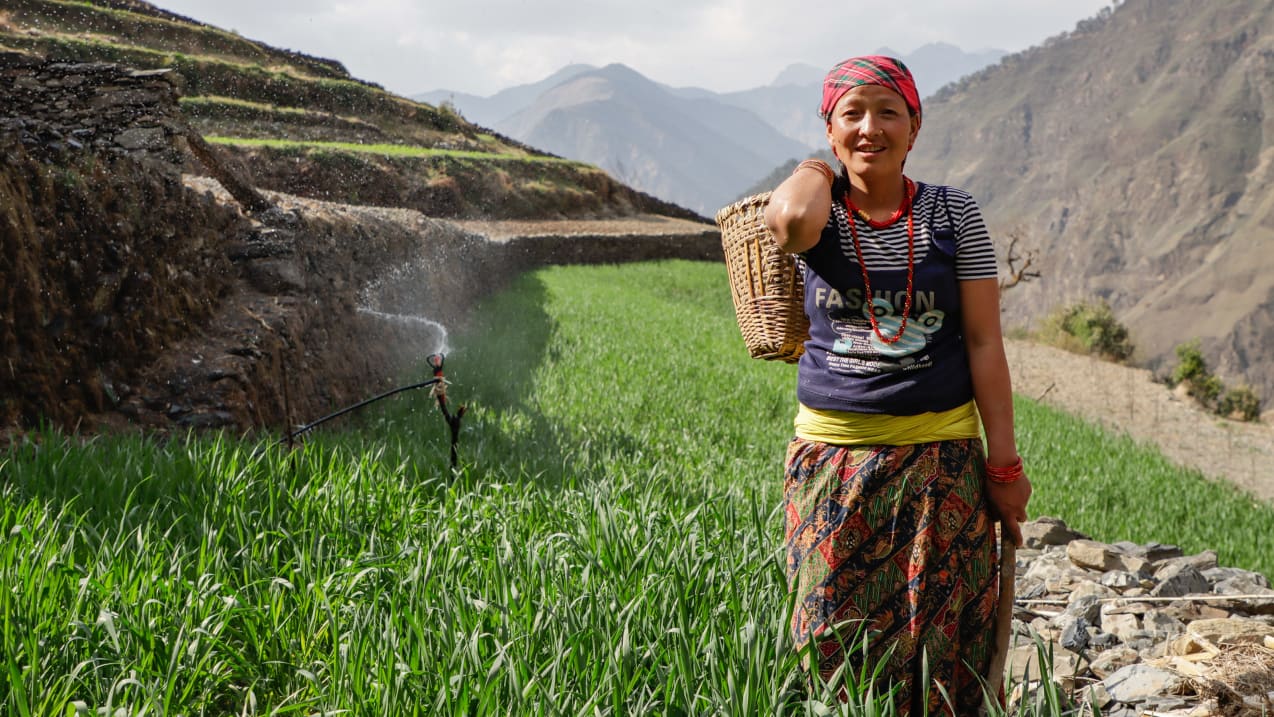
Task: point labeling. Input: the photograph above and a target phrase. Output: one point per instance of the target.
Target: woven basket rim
(734, 208)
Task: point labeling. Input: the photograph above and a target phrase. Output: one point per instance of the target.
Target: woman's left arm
(993, 392)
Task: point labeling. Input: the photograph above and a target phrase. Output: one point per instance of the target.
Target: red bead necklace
(907, 196)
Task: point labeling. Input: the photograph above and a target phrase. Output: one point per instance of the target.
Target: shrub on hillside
(450, 118)
(1241, 404)
(1088, 327)
(1192, 371)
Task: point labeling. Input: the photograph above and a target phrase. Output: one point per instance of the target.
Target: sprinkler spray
(439, 392)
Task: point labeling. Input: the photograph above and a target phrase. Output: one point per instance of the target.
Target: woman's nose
(869, 124)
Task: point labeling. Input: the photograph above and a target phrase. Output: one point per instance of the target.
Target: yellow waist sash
(844, 428)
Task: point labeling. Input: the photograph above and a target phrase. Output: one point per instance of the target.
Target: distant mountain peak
(647, 133)
(620, 71)
(695, 148)
(799, 73)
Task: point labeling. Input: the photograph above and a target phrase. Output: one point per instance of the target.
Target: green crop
(611, 543)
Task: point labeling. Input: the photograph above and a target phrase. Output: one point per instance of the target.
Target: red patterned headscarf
(869, 70)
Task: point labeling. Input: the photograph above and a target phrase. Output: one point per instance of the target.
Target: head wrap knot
(869, 70)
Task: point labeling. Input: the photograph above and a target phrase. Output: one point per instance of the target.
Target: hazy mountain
(1135, 154)
(487, 111)
(790, 103)
(800, 74)
(728, 142)
(938, 64)
(694, 152)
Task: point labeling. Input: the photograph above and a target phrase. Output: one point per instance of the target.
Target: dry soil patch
(1130, 401)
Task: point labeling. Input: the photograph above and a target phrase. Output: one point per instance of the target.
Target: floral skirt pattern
(895, 544)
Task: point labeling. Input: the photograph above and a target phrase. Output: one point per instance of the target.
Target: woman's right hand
(798, 210)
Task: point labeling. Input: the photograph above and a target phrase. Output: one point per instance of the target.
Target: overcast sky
(483, 46)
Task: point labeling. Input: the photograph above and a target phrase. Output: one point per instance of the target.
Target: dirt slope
(1130, 401)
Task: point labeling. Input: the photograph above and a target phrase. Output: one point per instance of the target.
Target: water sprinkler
(438, 391)
(435, 362)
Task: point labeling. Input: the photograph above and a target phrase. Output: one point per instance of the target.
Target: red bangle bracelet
(821, 166)
(1005, 474)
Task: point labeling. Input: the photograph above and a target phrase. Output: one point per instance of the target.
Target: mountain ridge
(691, 150)
(487, 111)
(1132, 154)
(724, 149)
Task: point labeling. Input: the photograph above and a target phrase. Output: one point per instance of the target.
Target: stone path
(641, 225)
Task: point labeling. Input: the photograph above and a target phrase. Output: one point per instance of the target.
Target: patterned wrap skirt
(894, 544)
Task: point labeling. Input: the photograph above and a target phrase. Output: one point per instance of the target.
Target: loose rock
(1135, 626)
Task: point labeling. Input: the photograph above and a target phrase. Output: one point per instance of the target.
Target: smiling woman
(890, 495)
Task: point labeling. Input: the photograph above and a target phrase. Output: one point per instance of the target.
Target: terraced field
(304, 126)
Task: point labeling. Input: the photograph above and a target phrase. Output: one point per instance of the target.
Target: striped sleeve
(975, 254)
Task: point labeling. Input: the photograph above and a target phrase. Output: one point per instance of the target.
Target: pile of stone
(1138, 630)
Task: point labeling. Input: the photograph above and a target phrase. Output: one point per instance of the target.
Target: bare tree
(1019, 263)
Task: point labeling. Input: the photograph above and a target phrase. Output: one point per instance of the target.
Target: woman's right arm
(798, 209)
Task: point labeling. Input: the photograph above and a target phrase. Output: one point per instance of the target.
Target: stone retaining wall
(52, 107)
(244, 319)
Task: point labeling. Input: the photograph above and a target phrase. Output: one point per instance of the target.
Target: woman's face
(871, 131)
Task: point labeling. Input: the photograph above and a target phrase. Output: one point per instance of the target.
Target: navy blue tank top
(846, 367)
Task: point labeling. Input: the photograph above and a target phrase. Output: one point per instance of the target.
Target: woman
(890, 499)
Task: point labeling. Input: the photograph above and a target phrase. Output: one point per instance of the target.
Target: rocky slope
(1129, 401)
(1134, 155)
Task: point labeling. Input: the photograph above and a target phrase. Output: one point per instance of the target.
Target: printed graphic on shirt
(840, 305)
(859, 350)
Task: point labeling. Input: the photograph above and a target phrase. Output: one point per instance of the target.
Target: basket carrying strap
(946, 209)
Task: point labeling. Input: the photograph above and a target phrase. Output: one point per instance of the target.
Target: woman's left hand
(1008, 503)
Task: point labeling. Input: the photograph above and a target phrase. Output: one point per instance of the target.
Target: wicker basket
(766, 284)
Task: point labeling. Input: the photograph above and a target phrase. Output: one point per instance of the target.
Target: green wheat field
(610, 545)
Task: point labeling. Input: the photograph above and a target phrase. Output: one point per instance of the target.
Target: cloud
(562, 18)
(482, 46)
